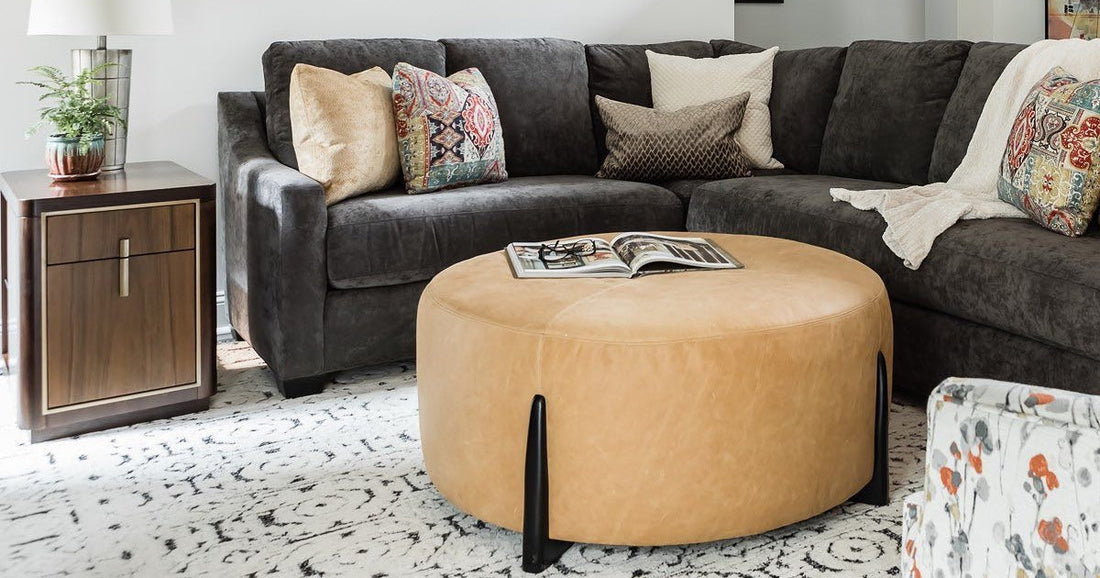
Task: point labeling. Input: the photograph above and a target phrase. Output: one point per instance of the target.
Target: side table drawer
(116, 327)
(96, 235)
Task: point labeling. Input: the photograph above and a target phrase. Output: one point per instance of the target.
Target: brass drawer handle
(124, 268)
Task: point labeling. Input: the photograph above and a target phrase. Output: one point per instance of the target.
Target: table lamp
(103, 18)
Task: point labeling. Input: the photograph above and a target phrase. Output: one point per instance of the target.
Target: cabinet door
(112, 332)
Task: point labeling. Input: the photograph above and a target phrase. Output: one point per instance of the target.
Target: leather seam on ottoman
(542, 334)
(574, 304)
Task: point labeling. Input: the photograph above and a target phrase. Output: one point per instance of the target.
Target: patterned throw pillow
(696, 142)
(680, 81)
(448, 129)
(1051, 167)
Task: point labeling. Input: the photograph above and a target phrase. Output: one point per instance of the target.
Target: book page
(641, 249)
(534, 260)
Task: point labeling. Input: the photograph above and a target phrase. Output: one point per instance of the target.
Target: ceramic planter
(68, 160)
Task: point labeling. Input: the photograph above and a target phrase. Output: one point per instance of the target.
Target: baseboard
(224, 330)
(225, 333)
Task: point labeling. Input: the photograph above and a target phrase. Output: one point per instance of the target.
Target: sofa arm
(275, 226)
(1059, 406)
(1011, 472)
(912, 552)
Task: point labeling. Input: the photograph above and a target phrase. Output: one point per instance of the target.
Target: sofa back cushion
(804, 83)
(887, 112)
(346, 56)
(620, 72)
(541, 90)
(803, 88)
(983, 67)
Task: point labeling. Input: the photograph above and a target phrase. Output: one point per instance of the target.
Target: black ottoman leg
(877, 491)
(539, 551)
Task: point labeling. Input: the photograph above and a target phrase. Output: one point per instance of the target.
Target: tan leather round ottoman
(680, 408)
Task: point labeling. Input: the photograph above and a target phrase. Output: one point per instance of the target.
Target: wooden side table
(108, 305)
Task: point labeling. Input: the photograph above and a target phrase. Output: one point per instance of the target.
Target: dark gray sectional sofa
(318, 290)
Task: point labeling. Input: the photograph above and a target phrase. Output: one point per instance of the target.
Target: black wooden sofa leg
(877, 491)
(539, 551)
(302, 386)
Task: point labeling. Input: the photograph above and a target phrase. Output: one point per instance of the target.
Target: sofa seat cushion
(394, 238)
(685, 187)
(1010, 274)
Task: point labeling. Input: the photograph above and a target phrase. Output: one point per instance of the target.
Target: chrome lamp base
(114, 84)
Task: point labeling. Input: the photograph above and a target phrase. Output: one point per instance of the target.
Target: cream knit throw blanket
(915, 216)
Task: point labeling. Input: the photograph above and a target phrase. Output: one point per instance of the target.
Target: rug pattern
(334, 484)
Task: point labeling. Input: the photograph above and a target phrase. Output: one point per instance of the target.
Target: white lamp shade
(100, 17)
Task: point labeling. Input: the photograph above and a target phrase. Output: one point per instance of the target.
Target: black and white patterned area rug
(334, 484)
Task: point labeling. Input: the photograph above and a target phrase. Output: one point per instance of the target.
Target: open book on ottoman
(628, 255)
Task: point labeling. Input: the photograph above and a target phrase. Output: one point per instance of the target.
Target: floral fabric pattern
(448, 129)
(1012, 484)
(1051, 166)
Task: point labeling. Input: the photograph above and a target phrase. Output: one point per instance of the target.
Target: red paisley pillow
(448, 129)
(1019, 142)
(1051, 165)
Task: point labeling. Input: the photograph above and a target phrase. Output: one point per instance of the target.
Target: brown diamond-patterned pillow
(696, 142)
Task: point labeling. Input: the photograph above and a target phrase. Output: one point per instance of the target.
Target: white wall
(810, 23)
(218, 43)
(993, 20)
(941, 19)
(1001, 20)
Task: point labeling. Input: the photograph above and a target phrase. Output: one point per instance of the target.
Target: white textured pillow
(680, 81)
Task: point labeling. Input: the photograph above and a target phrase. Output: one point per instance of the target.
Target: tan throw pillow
(680, 81)
(343, 129)
(696, 142)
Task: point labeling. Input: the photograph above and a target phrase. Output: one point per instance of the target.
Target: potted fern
(81, 120)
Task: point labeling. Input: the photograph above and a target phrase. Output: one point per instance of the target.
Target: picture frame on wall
(1072, 19)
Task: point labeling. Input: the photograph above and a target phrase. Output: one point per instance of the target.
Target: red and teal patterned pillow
(448, 129)
(1051, 166)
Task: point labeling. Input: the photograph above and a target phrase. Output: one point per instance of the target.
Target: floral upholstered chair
(1012, 484)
